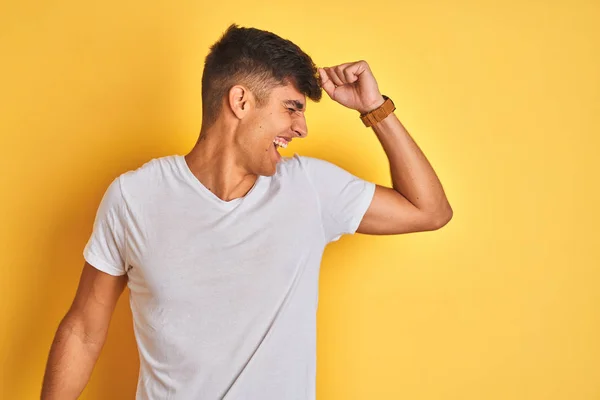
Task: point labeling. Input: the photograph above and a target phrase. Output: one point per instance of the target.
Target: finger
(346, 72)
(326, 82)
(339, 69)
(334, 76)
(358, 68)
(350, 74)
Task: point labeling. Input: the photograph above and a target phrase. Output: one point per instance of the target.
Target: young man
(221, 248)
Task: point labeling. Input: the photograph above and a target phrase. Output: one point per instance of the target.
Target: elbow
(442, 218)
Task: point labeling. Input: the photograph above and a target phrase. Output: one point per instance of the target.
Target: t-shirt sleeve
(343, 197)
(105, 249)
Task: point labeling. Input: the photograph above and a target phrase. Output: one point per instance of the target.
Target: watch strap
(378, 114)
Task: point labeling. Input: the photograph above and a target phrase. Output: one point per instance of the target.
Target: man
(221, 248)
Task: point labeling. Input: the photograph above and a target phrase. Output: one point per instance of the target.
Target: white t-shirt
(224, 294)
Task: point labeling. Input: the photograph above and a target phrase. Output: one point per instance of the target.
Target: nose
(299, 127)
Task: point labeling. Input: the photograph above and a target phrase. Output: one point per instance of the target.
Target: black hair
(260, 60)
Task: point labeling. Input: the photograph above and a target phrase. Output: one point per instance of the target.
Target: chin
(269, 173)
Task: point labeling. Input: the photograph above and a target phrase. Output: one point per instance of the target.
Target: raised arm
(416, 202)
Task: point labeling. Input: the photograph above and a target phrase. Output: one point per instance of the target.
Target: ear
(240, 100)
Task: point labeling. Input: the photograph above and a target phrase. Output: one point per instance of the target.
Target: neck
(215, 162)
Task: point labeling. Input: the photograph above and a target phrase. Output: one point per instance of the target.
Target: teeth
(280, 143)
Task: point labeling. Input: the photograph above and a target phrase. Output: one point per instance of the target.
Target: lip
(286, 138)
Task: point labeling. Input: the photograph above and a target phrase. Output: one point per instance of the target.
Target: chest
(247, 251)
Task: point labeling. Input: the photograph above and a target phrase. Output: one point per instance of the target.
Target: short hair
(260, 60)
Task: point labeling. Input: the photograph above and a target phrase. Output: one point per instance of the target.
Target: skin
(230, 155)
(81, 334)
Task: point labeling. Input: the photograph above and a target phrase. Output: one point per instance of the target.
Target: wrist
(373, 106)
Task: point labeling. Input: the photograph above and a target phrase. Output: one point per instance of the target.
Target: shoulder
(302, 164)
(316, 168)
(150, 174)
(140, 183)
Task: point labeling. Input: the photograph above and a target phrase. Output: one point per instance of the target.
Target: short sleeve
(105, 249)
(343, 197)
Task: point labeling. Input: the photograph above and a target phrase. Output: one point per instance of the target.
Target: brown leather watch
(378, 114)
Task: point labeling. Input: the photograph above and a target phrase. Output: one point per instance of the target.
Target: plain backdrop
(503, 98)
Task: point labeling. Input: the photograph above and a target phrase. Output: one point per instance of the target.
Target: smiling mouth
(280, 143)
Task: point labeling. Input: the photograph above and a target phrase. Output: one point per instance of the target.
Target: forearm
(412, 174)
(70, 363)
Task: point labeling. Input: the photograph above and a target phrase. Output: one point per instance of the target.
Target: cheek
(263, 130)
(260, 139)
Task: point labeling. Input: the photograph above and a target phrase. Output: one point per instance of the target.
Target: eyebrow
(294, 103)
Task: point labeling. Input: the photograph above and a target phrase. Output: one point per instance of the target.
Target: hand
(352, 85)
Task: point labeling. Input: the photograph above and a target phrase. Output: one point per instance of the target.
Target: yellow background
(503, 98)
